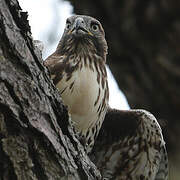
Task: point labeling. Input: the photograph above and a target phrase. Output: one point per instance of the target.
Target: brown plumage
(78, 70)
(130, 145)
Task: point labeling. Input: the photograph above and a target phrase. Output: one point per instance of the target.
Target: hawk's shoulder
(55, 63)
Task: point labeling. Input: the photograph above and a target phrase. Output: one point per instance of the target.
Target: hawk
(78, 70)
(130, 144)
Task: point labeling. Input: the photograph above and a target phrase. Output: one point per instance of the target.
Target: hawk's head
(83, 34)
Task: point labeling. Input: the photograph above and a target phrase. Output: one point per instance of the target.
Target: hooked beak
(79, 27)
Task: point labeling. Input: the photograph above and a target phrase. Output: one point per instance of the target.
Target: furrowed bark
(37, 140)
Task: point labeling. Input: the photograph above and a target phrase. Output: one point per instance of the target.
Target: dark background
(144, 56)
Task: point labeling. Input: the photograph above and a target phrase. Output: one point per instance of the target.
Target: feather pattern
(133, 147)
(78, 70)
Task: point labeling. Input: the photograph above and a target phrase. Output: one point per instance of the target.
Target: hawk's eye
(68, 24)
(94, 26)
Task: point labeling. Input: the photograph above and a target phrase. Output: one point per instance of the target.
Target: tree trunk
(37, 140)
(143, 39)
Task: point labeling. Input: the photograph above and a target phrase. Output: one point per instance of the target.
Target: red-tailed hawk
(130, 145)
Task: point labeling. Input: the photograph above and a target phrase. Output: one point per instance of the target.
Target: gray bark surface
(37, 140)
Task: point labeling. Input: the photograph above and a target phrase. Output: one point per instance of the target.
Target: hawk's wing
(130, 146)
(56, 65)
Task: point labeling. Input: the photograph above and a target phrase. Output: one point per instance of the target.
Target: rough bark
(37, 140)
(143, 39)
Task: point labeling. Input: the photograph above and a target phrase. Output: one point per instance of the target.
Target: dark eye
(68, 24)
(94, 27)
